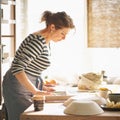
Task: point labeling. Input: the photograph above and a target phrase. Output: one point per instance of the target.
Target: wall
(71, 57)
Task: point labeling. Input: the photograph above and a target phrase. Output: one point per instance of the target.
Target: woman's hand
(48, 89)
(38, 92)
(23, 79)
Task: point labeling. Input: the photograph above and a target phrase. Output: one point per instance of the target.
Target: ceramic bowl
(99, 100)
(115, 97)
(83, 108)
(68, 101)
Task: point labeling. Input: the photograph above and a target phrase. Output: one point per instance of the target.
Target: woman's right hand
(38, 92)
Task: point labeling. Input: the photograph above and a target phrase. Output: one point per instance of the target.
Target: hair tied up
(46, 15)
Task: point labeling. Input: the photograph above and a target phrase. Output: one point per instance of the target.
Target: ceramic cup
(38, 101)
(104, 92)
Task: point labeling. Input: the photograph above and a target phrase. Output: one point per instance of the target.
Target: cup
(104, 92)
(38, 101)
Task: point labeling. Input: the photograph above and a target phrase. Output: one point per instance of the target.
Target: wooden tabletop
(55, 111)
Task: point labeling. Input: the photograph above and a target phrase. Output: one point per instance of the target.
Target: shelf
(8, 21)
(4, 1)
(7, 35)
(4, 21)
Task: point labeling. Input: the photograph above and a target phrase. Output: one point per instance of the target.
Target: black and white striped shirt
(32, 56)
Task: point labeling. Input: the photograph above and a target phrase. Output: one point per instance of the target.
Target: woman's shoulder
(37, 36)
(34, 37)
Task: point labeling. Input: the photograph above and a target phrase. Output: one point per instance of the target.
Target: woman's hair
(59, 19)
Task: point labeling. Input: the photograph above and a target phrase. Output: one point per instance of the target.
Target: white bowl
(69, 100)
(99, 100)
(83, 108)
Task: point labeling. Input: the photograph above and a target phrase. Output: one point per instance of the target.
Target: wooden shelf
(4, 1)
(7, 33)
(8, 21)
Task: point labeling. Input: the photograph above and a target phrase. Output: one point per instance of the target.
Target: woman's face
(59, 34)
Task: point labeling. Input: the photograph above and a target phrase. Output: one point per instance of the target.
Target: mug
(104, 92)
(38, 101)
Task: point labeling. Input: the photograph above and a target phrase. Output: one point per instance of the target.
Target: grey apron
(16, 97)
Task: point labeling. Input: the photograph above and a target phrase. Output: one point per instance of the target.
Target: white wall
(67, 56)
(106, 59)
(72, 57)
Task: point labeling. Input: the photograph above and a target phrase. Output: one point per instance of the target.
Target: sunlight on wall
(107, 59)
(71, 57)
(67, 54)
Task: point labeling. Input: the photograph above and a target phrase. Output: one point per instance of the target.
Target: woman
(23, 80)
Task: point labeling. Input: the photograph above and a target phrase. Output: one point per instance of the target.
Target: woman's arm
(23, 79)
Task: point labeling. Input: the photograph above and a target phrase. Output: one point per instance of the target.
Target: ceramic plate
(59, 93)
(56, 98)
(87, 90)
(104, 107)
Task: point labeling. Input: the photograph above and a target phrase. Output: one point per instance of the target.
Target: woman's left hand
(48, 89)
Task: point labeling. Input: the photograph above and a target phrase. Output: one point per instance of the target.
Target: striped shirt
(32, 56)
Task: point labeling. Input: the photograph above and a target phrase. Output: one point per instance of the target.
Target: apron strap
(39, 83)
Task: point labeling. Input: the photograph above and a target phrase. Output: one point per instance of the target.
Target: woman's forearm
(23, 79)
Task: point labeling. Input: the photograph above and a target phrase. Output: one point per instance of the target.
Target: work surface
(55, 111)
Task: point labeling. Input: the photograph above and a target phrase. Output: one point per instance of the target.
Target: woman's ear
(52, 27)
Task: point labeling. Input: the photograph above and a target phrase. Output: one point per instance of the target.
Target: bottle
(104, 77)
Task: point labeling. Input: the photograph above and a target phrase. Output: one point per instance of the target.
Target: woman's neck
(45, 33)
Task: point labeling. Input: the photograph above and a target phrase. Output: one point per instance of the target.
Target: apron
(16, 97)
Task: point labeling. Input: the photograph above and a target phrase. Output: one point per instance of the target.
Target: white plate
(59, 93)
(56, 98)
(80, 90)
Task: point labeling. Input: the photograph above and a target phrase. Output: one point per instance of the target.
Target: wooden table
(55, 111)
